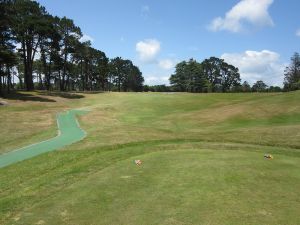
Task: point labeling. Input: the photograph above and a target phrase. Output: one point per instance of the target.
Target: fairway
(68, 133)
(187, 120)
(203, 160)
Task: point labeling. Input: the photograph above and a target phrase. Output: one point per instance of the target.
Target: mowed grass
(202, 161)
(268, 119)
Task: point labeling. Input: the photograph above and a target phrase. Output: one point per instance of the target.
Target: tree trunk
(13, 81)
(27, 66)
(40, 81)
(109, 83)
(59, 81)
(67, 86)
(8, 80)
(28, 56)
(21, 82)
(103, 85)
(1, 93)
(62, 82)
(29, 82)
(48, 76)
(91, 83)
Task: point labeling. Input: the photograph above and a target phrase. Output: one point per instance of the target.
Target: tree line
(211, 75)
(51, 55)
(258, 86)
(215, 75)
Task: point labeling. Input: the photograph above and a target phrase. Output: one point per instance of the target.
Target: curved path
(68, 132)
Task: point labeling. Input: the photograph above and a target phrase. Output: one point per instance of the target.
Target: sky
(257, 36)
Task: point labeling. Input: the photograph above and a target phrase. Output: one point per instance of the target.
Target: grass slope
(202, 153)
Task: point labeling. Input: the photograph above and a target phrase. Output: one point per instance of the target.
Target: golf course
(202, 158)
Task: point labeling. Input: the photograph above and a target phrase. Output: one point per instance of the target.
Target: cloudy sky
(257, 36)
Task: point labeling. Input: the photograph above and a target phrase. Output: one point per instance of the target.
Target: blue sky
(257, 36)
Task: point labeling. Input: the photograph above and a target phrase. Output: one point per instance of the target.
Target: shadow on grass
(61, 94)
(26, 97)
(91, 92)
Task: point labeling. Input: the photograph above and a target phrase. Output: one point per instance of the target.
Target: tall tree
(50, 50)
(8, 57)
(70, 35)
(79, 56)
(222, 76)
(100, 68)
(259, 86)
(246, 87)
(212, 73)
(230, 77)
(134, 79)
(196, 81)
(103, 70)
(125, 75)
(117, 70)
(29, 27)
(212, 70)
(292, 73)
(178, 79)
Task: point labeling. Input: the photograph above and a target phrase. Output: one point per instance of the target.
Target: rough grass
(202, 160)
(31, 117)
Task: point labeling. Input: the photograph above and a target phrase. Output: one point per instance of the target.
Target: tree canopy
(212, 74)
(292, 74)
(46, 52)
(52, 56)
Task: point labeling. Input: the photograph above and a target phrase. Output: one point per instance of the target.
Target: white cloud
(148, 49)
(86, 37)
(258, 65)
(254, 12)
(156, 80)
(298, 32)
(167, 64)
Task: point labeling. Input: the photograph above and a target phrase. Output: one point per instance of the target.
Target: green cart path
(69, 132)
